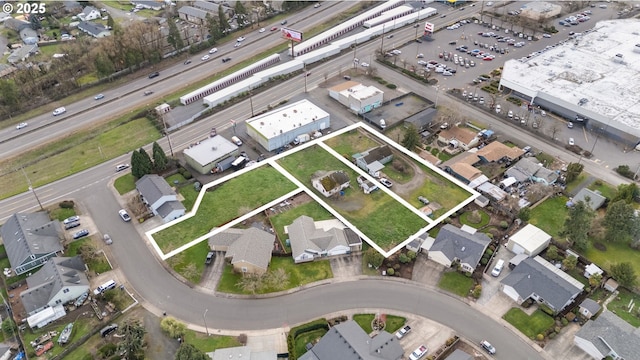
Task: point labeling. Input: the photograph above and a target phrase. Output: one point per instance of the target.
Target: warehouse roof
(287, 118)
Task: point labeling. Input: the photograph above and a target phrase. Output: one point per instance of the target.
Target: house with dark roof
(60, 280)
(373, 160)
(89, 13)
(94, 29)
(593, 199)
(22, 53)
(192, 15)
(528, 169)
(464, 245)
(539, 280)
(311, 240)
(30, 240)
(331, 182)
(609, 335)
(589, 307)
(159, 197)
(458, 354)
(347, 341)
(248, 250)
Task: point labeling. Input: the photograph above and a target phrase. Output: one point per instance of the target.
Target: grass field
(384, 220)
(311, 209)
(620, 306)
(74, 153)
(550, 215)
(226, 202)
(190, 263)
(532, 325)
(617, 252)
(456, 283)
(125, 183)
(438, 189)
(352, 142)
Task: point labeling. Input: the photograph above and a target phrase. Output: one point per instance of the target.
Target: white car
(316, 5)
(396, 52)
(447, 73)
(59, 111)
(571, 141)
(386, 182)
(261, 30)
(510, 114)
(419, 352)
(241, 39)
(488, 347)
(124, 215)
(21, 125)
(546, 36)
(205, 58)
(213, 51)
(423, 63)
(420, 56)
(498, 109)
(402, 332)
(237, 44)
(364, 64)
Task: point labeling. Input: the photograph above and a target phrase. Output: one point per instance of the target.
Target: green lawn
(605, 189)
(393, 323)
(226, 202)
(190, 263)
(571, 187)
(438, 190)
(532, 325)
(98, 264)
(299, 274)
(74, 153)
(384, 220)
(550, 215)
(456, 283)
(58, 213)
(352, 142)
(484, 219)
(307, 337)
(617, 252)
(210, 343)
(125, 183)
(311, 209)
(190, 196)
(620, 306)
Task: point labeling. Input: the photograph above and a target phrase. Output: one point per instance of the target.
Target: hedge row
(296, 331)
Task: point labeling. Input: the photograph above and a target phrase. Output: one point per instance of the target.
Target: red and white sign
(428, 27)
(293, 35)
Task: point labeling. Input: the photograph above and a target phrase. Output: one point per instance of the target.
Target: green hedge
(296, 331)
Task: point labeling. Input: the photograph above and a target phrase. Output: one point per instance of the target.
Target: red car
(487, 58)
(274, 28)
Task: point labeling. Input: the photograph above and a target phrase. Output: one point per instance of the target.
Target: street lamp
(204, 318)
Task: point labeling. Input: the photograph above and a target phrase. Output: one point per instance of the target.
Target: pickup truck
(402, 332)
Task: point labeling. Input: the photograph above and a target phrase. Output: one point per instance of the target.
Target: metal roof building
(206, 154)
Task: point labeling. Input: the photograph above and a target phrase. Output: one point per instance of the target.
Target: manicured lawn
(125, 183)
(190, 195)
(532, 325)
(550, 215)
(308, 337)
(605, 189)
(190, 263)
(226, 202)
(384, 220)
(620, 306)
(456, 283)
(299, 274)
(211, 342)
(484, 219)
(393, 323)
(58, 213)
(617, 252)
(311, 209)
(74, 153)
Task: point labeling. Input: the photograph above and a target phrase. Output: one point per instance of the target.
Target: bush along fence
(299, 330)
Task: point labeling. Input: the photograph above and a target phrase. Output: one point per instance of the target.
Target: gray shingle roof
(152, 187)
(528, 167)
(191, 11)
(456, 243)
(591, 305)
(347, 341)
(305, 237)
(618, 335)
(168, 207)
(34, 234)
(458, 354)
(94, 29)
(253, 246)
(596, 200)
(538, 276)
(226, 237)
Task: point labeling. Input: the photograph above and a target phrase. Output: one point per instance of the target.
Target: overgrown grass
(311, 209)
(299, 274)
(392, 324)
(58, 213)
(226, 202)
(125, 183)
(617, 252)
(532, 325)
(620, 307)
(384, 220)
(352, 142)
(76, 152)
(456, 283)
(550, 215)
(438, 189)
(605, 189)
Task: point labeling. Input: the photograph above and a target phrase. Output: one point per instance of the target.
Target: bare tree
(554, 130)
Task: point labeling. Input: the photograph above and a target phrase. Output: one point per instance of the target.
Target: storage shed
(530, 240)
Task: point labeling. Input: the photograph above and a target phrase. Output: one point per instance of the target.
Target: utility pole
(31, 188)
(166, 133)
(251, 101)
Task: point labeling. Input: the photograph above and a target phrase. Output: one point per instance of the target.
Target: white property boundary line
(302, 188)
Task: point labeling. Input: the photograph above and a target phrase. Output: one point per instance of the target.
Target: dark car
(283, 22)
(187, 62)
(210, 257)
(80, 234)
(226, 59)
(154, 74)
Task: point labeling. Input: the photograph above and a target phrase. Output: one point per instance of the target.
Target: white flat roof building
(594, 76)
(281, 126)
(206, 154)
(357, 97)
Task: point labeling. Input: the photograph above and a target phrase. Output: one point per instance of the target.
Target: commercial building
(590, 79)
(280, 127)
(357, 97)
(540, 10)
(212, 154)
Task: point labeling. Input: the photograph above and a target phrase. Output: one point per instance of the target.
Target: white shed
(530, 240)
(592, 269)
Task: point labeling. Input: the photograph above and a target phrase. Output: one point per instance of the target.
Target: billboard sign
(290, 34)
(428, 27)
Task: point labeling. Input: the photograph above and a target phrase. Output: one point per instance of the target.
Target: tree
(190, 352)
(241, 13)
(222, 21)
(34, 22)
(552, 252)
(573, 171)
(145, 161)
(577, 225)
(618, 222)
(570, 262)
(594, 280)
(213, 27)
(624, 274)
(524, 214)
(110, 22)
(175, 38)
(172, 327)
(159, 158)
(373, 257)
(627, 192)
(136, 167)
(411, 137)
(104, 66)
(9, 94)
(132, 344)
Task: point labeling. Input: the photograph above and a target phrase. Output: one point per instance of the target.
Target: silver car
(107, 239)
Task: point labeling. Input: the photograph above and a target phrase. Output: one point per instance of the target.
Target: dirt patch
(354, 204)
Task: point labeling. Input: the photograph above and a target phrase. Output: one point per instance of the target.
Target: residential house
(89, 13)
(367, 186)
(463, 171)
(310, 240)
(464, 245)
(59, 281)
(530, 240)
(608, 336)
(242, 352)
(212, 7)
(539, 280)
(148, 4)
(347, 341)
(529, 169)
(459, 138)
(159, 197)
(373, 160)
(22, 53)
(192, 15)
(249, 250)
(422, 120)
(331, 183)
(458, 354)
(492, 191)
(593, 199)
(94, 29)
(497, 152)
(429, 157)
(589, 307)
(30, 240)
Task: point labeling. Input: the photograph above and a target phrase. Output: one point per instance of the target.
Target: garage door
(517, 249)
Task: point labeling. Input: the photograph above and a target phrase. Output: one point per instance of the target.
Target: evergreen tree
(627, 192)
(411, 137)
(175, 38)
(132, 344)
(577, 225)
(624, 274)
(619, 222)
(136, 165)
(222, 21)
(573, 171)
(159, 158)
(145, 162)
(190, 352)
(214, 28)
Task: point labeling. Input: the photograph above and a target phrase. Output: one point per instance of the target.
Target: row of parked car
(422, 350)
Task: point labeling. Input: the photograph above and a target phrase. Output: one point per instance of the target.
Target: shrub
(477, 291)
(390, 271)
(625, 171)
(412, 255)
(484, 261)
(392, 86)
(504, 224)
(552, 335)
(67, 204)
(546, 309)
(172, 327)
(107, 350)
(539, 337)
(489, 252)
(564, 321)
(570, 316)
(403, 258)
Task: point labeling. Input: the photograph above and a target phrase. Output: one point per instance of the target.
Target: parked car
(423, 200)
(526, 149)
(419, 352)
(22, 125)
(98, 97)
(402, 332)
(80, 234)
(488, 347)
(571, 141)
(209, 259)
(154, 74)
(71, 219)
(124, 215)
(107, 239)
(386, 182)
(570, 125)
(498, 109)
(71, 225)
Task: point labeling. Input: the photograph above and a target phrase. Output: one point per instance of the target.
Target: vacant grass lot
(617, 252)
(352, 142)
(532, 325)
(440, 190)
(620, 306)
(393, 323)
(378, 215)
(190, 263)
(456, 283)
(226, 202)
(550, 215)
(312, 209)
(74, 153)
(299, 274)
